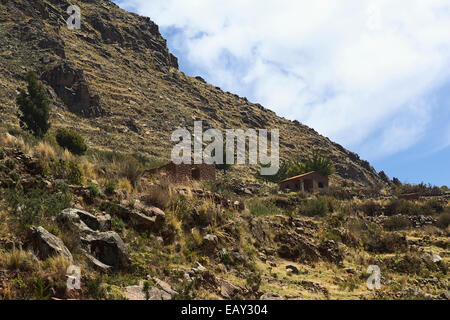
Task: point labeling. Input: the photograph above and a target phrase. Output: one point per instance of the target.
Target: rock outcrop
(104, 249)
(47, 245)
(72, 88)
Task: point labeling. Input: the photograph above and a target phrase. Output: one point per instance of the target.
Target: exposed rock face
(105, 250)
(109, 32)
(330, 251)
(47, 245)
(297, 248)
(70, 85)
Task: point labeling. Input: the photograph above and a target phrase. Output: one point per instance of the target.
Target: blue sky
(372, 75)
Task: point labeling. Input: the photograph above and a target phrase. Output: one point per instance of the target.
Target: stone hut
(309, 182)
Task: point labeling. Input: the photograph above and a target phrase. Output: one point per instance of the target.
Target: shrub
(18, 260)
(388, 242)
(67, 170)
(157, 196)
(443, 220)
(433, 206)
(294, 167)
(95, 289)
(71, 141)
(10, 164)
(34, 107)
(262, 208)
(397, 223)
(110, 188)
(403, 207)
(315, 207)
(41, 289)
(339, 193)
(371, 208)
(131, 169)
(93, 190)
(31, 206)
(253, 282)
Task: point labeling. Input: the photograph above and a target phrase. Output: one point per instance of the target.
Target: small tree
(295, 167)
(34, 107)
(318, 163)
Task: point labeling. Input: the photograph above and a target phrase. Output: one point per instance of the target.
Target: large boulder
(46, 245)
(108, 248)
(76, 216)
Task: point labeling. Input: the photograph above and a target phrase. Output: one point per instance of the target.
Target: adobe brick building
(182, 172)
(309, 182)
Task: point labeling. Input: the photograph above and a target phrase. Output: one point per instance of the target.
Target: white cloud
(357, 71)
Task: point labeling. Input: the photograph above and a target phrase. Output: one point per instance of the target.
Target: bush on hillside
(316, 207)
(71, 141)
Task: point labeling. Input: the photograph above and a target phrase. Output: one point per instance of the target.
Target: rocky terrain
(137, 236)
(117, 83)
(221, 240)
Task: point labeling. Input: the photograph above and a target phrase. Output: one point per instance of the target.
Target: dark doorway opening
(196, 174)
(309, 186)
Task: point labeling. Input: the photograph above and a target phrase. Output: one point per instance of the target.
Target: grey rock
(293, 269)
(47, 245)
(148, 219)
(109, 248)
(228, 290)
(166, 287)
(270, 296)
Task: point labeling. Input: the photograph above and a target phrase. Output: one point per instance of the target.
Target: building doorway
(196, 174)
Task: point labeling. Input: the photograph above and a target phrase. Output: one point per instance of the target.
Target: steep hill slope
(116, 82)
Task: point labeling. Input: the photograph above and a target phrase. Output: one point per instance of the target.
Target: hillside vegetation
(75, 188)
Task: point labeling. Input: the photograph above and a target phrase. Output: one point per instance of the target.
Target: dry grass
(67, 156)
(56, 265)
(157, 195)
(89, 169)
(18, 260)
(44, 152)
(125, 185)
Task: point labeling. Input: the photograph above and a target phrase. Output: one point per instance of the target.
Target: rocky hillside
(116, 82)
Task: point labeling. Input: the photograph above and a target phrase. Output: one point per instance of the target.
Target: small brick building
(308, 182)
(182, 172)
